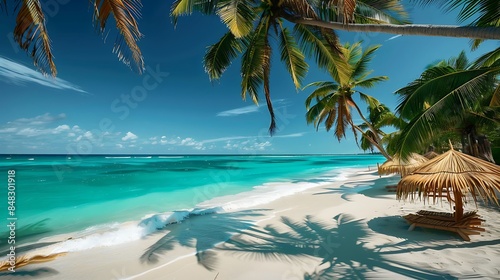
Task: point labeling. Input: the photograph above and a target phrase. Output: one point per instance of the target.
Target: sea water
(111, 199)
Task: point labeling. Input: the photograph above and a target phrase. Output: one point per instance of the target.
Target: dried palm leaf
(400, 166)
(125, 13)
(31, 35)
(25, 260)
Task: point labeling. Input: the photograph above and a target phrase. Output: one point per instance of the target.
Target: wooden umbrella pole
(459, 209)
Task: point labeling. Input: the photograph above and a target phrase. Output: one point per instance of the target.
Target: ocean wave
(118, 157)
(120, 233)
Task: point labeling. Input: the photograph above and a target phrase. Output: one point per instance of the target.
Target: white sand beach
(350, 229)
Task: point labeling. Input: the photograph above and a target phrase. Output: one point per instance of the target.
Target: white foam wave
(114, 234)
(170, 157)
(117, 157)
(120, 233)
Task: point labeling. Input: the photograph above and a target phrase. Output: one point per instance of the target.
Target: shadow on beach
(29, 273)
(371, 188)
(339, 246)
(203, 233)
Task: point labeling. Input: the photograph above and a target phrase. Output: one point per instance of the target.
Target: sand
(344, 229)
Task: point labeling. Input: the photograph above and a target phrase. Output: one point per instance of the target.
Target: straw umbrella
(430, 155)
(453, 172)
(403, 167)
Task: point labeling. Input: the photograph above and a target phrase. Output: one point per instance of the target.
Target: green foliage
(448, 100)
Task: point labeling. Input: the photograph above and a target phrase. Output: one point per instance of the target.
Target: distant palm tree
(379, 117)
(453, 94)
(334, 99)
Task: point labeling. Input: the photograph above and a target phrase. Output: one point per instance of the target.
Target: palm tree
(31, 33)
(485, 26)
(449, 95)
(334, 99)
(379, 117)
(254, 24)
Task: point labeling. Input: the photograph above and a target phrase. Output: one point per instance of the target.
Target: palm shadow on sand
(29, 273)
(203, 233)
(339, 245)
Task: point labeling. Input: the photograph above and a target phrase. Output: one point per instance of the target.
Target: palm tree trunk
(374, 142)
(377, 140)
(471, 32)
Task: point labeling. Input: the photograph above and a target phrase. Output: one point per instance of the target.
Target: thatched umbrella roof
(452, 173)
(403, 167)
(430, 155)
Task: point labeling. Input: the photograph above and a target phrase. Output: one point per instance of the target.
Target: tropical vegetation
(451, 99)
(333, 100)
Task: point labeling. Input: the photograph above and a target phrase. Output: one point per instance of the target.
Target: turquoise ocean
(83, 195)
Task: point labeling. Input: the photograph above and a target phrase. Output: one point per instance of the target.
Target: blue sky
(98, 105)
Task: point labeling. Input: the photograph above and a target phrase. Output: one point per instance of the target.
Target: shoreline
(339, 229)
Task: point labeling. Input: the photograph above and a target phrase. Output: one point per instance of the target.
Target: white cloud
(129, 136)
(120, 146)
(247, 145)
(29, 132)
(292, 135)
(239, 111)
(60, 129)
(88, 135)
(38, 120)
(8, 130)
(394, 37)
(20, 74)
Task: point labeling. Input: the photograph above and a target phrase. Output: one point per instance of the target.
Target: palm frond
(31, 34)
(371, 82)
(323, 89)
(370, 100)
(376, 11)
(238, 16)
(485, 11)
(416, 135)
(343, 118)
(487, 59)
(220, 55)
(313, 44)
(345, 9)
(292, 56)
(267, 91)
(435, 83)
(125, 13)
(252, 62)
(365, 144)
(459, 89)
(460, 62)
(495, 99)
(323, 109)
(181, 7)
(362, 63)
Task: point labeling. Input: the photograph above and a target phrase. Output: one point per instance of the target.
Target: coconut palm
(485, 26)
(447, 95)
(379, 117)
(334, 99)
(31, 33)
(253, 26)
